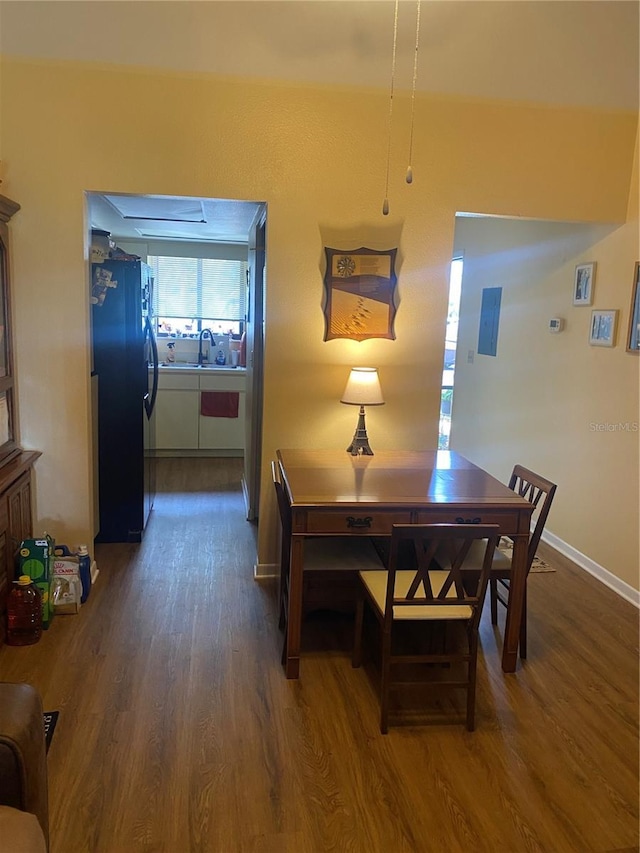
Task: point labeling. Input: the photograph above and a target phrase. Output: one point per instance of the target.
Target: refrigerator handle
(149, 402)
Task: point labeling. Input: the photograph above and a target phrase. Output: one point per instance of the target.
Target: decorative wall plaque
(360, 290)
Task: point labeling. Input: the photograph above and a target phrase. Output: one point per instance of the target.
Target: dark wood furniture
(331, 564)
(332, 493)
(415, 589)
(540, 492)
(15, 464)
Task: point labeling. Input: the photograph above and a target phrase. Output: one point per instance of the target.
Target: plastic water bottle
(84, 563)
(24, 613)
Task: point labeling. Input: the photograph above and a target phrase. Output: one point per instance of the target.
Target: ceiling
(144, 218)
(570, 53)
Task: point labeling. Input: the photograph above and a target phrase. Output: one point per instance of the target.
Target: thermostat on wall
(556, 324)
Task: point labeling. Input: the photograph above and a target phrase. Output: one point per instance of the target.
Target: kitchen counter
(168, 367)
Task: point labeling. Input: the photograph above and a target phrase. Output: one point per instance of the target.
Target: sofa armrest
(23, 758)
(20, 832)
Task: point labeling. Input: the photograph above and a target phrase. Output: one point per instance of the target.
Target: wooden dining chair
(330, 562)
(540, 492)
(425, 593)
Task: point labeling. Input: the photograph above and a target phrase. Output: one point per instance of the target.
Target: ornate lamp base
(360, 443)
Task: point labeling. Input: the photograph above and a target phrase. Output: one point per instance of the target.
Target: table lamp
(363, 389)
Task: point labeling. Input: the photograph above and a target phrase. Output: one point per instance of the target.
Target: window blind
(212, 288)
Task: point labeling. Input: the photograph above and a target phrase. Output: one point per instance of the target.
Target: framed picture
(360, 287)
(603, 328)
(633, 338)
(583, 283)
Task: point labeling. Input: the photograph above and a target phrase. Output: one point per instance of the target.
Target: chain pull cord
(385, 203)
(409, 177)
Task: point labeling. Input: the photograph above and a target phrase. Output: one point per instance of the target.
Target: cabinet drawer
(365, 521)
(223, 382)
(507, 520)
(178, 381)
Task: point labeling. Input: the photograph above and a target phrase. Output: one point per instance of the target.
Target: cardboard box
(36, 561)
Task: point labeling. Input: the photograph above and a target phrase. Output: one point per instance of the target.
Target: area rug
(50, 720)
(539, 565)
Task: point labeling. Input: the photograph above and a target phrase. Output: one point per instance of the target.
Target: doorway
(211, 231)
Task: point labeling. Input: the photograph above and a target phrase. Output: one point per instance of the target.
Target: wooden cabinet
(15, 464)
(15, 521)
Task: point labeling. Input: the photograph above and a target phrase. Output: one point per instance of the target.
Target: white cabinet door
(177, 414)
(223, 433)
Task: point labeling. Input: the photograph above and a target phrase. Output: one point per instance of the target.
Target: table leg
(294, 614)
(517, 586)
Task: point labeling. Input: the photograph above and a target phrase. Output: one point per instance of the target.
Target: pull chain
(409, 177)
(385, 203)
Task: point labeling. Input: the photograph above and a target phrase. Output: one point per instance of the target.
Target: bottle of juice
(24, 613)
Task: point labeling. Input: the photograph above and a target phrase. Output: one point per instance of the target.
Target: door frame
(256, 284)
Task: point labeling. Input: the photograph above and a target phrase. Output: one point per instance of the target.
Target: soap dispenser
(220, 359)
(171, 356)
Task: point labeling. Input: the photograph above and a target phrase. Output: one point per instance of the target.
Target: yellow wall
(550, 401)
(317, 157)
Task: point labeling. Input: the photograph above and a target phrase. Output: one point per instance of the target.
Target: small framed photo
(583, 283)
(603, 328)
(633, 338)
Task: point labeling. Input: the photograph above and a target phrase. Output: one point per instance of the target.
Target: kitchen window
(191, 294)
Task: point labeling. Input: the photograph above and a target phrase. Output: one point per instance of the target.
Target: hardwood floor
(178, 732)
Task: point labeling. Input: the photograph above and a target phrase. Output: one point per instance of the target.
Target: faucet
(212, 344)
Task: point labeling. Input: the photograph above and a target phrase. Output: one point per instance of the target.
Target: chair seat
(376, 583)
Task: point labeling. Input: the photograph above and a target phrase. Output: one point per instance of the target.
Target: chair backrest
(283, 504)
(417, 544)
(540, 492)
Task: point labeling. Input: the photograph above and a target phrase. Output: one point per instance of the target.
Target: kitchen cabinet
(179, 424)
(222, 433)
(177, 411)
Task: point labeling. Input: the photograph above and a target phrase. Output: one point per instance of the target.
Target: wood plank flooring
(178, 732)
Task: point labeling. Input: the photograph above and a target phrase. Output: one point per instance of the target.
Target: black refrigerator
(125, 364)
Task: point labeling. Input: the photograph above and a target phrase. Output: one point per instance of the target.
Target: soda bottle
(24, 613)
(84, 564)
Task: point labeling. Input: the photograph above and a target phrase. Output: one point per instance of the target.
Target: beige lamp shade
(363, 388)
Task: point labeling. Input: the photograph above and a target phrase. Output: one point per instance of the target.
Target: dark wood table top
(416, 479)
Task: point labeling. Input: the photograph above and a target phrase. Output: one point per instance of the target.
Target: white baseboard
(606, 577)
(266, 570)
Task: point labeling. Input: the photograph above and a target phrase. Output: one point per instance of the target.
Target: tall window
(450, 344)
(191, 294)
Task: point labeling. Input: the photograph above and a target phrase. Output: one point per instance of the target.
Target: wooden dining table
(332, 493)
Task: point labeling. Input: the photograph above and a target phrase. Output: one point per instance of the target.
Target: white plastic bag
(66, 585)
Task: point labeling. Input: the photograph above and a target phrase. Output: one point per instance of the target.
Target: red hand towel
(219, 404)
